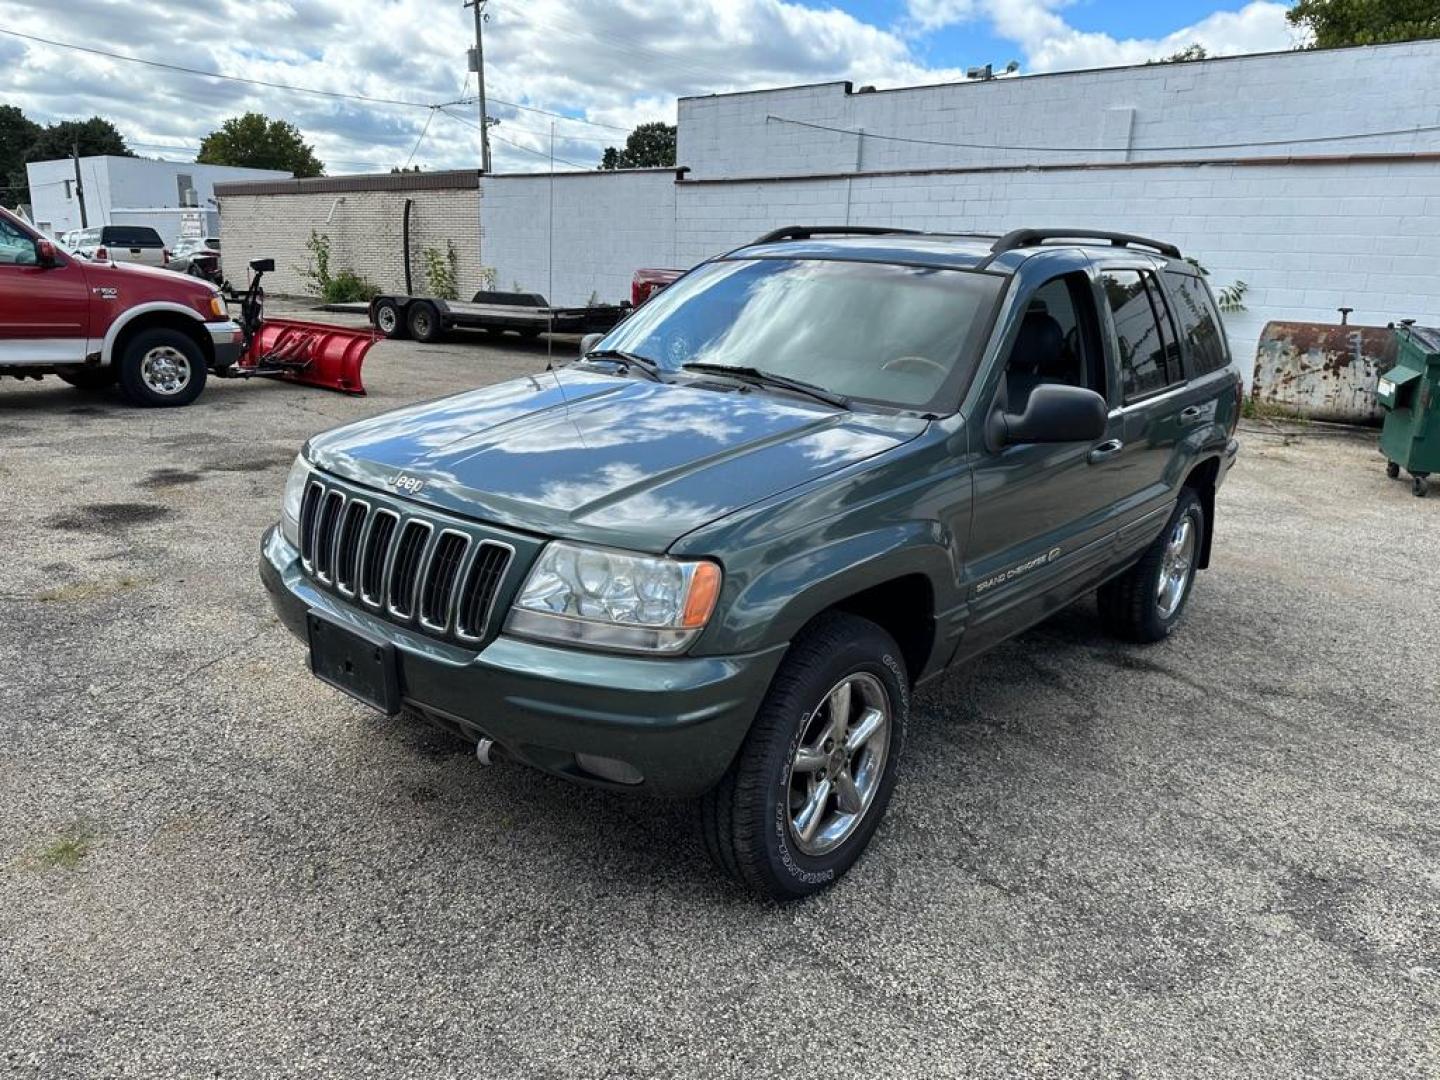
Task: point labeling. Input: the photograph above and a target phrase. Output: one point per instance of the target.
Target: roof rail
(1022, 238)
(805, 232)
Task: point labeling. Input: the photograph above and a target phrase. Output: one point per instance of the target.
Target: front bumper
(679, 721)
(228, 341)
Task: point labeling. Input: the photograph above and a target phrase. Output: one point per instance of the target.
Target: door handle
(1105, 451)
(1190, 412)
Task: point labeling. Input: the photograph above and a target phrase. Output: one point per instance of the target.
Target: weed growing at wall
(442, 271)
(334, 287)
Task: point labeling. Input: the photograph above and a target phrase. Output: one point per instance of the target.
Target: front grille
(412, 568)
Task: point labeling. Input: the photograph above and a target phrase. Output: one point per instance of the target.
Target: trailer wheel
(162, 368)
(389, 320)
(424, 321)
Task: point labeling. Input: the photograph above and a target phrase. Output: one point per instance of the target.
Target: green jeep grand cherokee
(714, 557)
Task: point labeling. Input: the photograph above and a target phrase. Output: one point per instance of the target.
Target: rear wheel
(162, 368)
(1145, 603)
(808, 789)
(424, 321)
(389, 320)
(98, 378)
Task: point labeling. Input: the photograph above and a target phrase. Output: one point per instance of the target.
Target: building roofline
(1071, 72)
(447, 180)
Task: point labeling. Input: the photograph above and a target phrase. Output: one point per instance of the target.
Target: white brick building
(1211, 155)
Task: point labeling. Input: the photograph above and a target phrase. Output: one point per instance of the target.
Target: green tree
(257, 142)
(1337, 23)
(92, 137)
(17, 134)
(1194, 51)
(648, 146)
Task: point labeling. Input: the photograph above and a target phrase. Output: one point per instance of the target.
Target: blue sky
(609, 63)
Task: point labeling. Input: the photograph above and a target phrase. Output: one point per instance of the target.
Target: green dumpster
(1410, 395)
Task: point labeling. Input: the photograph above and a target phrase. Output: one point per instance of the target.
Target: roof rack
(1023, 238)
(805, 232)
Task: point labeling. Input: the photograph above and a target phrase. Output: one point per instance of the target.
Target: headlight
(294, 498)
(613, 600)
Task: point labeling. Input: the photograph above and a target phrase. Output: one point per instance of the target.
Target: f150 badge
(1016, 571)
(411, 485)
(106, 292)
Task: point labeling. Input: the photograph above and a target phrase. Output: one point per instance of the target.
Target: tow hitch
(313, 354)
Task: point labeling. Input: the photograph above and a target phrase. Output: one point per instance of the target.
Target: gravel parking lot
(1219, 856)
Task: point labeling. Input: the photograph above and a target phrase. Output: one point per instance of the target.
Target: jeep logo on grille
(411, 485)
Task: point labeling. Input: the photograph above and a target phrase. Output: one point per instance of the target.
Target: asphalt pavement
(1217, 856)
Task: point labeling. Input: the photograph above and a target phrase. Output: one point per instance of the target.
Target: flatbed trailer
(426, 318)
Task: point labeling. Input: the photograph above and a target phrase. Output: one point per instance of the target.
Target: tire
(424, 321)
(162, 368)
(1132, 606)
(1419, 485)
(749, 820)
(1392, 470)
(528, 334)
(99, 378)
(390, 320)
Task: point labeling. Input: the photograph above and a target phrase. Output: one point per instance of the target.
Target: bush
(341, 287)
(442, 271)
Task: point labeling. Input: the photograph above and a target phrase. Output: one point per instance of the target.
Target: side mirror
(1054, 413)
(589, 341)
(45, 256)
(263, 266)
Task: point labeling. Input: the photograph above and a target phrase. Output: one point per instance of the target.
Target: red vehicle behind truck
(154, 332)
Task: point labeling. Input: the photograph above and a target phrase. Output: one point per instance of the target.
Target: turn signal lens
(704, 591)
(217, 307)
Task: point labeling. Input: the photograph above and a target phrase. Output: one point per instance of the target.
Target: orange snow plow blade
(315, 354)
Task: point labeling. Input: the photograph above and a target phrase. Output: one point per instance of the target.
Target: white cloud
(1049, 43)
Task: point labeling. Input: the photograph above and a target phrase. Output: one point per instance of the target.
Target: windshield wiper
(769, 378)
(627, 360)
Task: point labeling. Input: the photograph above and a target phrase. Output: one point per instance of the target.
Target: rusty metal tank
(1323, 371)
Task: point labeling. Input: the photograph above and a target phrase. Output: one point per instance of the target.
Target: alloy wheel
(1176, 566)
(165, 370)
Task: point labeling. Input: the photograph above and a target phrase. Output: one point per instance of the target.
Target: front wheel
(162, 368)
(389, 319)
(802, 799)
(1145, 603)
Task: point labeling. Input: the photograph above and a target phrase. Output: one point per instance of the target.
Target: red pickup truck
(154, 332)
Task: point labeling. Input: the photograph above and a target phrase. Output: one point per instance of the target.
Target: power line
(1087, 149)
(216, 74)
(511, 142)
(535, 109)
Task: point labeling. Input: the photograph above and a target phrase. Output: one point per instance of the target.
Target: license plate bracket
(364, 667)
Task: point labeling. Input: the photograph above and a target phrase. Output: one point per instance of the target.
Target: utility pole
(79, 188)
(477, 65)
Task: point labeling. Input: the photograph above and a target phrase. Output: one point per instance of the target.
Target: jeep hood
(588, 456)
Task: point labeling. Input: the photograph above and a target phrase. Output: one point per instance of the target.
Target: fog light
(617, 772)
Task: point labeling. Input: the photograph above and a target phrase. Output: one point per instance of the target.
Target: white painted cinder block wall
(580, 237)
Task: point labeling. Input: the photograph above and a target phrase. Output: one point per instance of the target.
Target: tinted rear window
(1199, 324)
(131, 236)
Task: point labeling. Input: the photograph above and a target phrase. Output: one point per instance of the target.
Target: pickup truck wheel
(90, 378)
(808, 789)
(388, 319)
(162, 368)
(424, 321)
(1144, 603)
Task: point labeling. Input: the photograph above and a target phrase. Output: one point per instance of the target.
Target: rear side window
(16, 248)
(1199, 323)
(1144, 332)
(131, 236)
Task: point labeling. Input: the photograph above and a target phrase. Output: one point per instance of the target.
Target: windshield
(898, 335)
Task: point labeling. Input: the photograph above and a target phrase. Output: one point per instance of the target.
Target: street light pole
(477, 64)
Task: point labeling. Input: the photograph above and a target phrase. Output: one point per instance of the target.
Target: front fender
(775, 599)
(129, 315)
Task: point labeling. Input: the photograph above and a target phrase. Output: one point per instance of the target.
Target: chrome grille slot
(347, 548)
(430, 571)
(477, 594)
(325, 530)
(376, 555)
(440, 575)
(308, 510)
(405, 569)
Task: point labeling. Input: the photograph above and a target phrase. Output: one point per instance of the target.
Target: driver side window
(16, 248)
(1058, 342)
